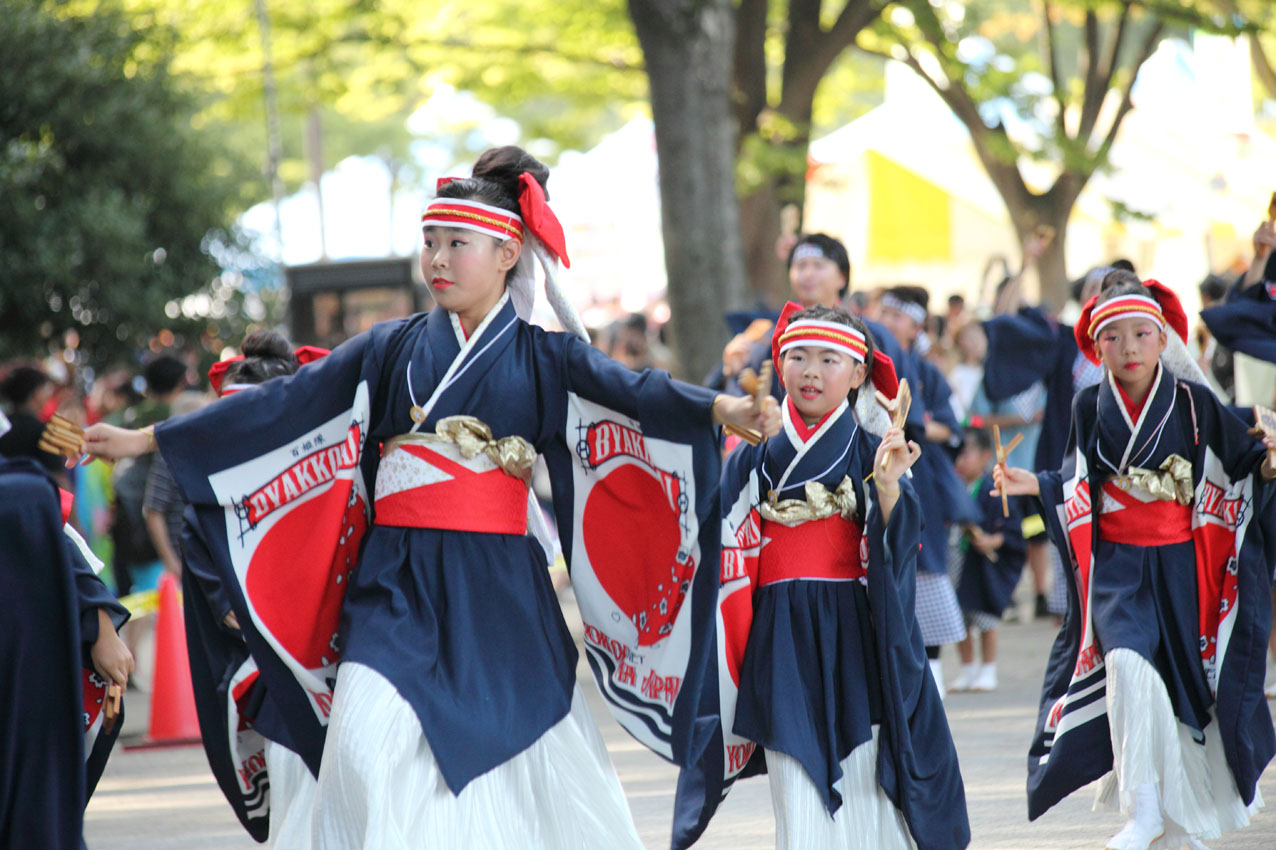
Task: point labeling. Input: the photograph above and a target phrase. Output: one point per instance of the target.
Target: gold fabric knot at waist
(1172, 482)
(471, 437)
(820, 503)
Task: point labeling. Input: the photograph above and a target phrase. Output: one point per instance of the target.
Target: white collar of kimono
(803, 447)
(456, 370)
(1154, 438)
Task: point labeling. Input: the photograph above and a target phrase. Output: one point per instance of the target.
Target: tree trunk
(1051, 267)
(687, 46)
(759, 228)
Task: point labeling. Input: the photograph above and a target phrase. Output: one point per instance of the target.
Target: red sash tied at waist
(433, 486)
(826, 549)
(1139, 523)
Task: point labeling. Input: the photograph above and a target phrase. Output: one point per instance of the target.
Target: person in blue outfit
(1164, 509)
(945, 502)
(819, 275)
(988, 559)
(823, 681)
(371, 520)
(58, 656)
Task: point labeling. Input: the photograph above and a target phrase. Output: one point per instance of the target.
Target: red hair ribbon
(540, 219)
(443, 181)
(304, 354)
(1171, 309)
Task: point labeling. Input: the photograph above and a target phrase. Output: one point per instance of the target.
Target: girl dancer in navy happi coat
(1164, 510)
(823, 680)
(454, 718)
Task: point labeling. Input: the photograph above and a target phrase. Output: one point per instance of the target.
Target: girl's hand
(1015, 481)
(1269, 463)
(113, 443)
(894, 457)
(111, 657)
(738, 411)
(1264, 239)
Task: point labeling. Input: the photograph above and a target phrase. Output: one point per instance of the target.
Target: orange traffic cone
(173, 718)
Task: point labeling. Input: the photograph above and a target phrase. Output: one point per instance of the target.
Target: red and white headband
(835, 336)
(501, 223)
(472, 215)
(1124, 307)
(1162, 307)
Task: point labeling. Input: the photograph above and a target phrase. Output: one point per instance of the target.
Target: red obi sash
(1141, 523)
(826, 549)
(433, 486)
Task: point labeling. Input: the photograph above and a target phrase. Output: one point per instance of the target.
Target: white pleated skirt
(380, 788)
(1149, 745)
(292, 799)
(867, 820)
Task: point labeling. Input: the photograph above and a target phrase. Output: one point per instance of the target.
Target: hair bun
(267, 344)
(504, 165)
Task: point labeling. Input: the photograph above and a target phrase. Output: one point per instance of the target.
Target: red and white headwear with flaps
(217, 372)
(836, 336)
(536, 227)
(1160, 306)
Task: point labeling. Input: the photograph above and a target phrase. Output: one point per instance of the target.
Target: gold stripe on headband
(1099, 317)
(820, 332)
(509, 226)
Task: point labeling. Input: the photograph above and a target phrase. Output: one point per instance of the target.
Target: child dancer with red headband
(820, 534)
(1163, 508)
(371, 520)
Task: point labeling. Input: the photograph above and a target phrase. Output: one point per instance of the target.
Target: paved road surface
(162, 799)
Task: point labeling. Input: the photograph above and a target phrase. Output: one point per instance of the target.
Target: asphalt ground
(166, 798)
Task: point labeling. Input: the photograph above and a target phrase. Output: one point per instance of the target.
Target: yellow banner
(909, 218)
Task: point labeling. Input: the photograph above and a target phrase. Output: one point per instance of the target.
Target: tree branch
(1052, 63)
(749, 68)
(1004, 175)
(1145, 52)
(1262, 65)
(809, 55)
(1114, 54)
(1092, 94)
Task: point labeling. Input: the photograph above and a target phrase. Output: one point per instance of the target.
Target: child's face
(972, 461)
(466, 270)
(972, 341)
(819, 379)
(816, 281)
(1130, 348)
(901, 326)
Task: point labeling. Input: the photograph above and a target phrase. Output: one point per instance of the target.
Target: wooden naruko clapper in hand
(1002, 453)
(758, 386)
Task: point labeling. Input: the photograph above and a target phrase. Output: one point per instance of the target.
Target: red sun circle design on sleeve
(632, 538)
(298, 573)
(737, 618)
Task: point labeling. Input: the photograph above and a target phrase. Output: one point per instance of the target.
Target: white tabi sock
(964, 682)
(1146, 826)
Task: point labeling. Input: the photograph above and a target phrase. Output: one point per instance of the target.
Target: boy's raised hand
(1014, 481)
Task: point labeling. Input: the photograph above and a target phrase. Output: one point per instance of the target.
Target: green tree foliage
(567, 72)
(108, 209)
